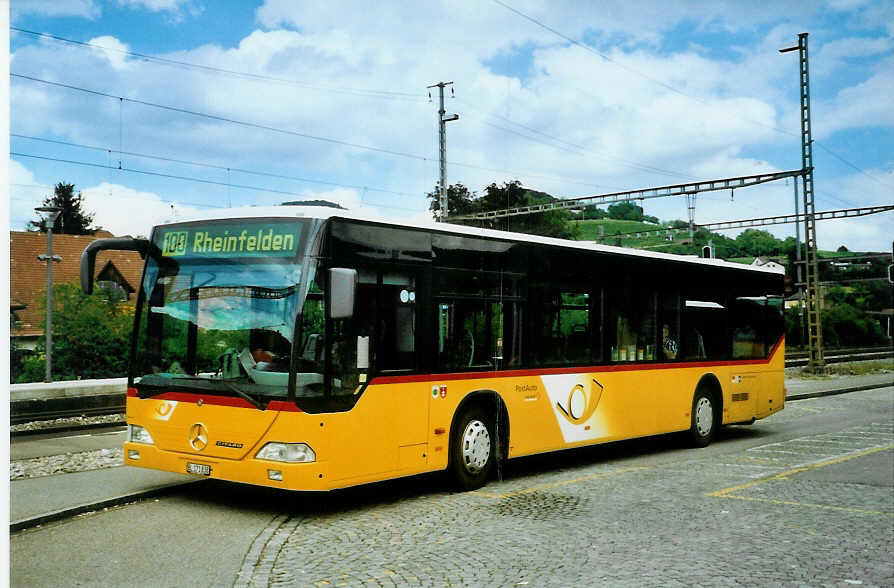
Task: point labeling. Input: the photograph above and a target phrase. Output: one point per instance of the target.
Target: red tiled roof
(28, 275)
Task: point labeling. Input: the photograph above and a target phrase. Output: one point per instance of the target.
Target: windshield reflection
(224, 325)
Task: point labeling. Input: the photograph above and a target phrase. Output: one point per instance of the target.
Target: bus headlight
(288, 452)
(137, 434)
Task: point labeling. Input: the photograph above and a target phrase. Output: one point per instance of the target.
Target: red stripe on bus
(279, 405)
(571, 370)
(283, 406)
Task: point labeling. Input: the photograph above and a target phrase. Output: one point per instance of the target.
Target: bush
(91, 337)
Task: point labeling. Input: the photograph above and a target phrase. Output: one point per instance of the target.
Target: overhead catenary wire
(212, 69)
(213, 166)
(416, 157)
(570, 147)
(191, 65)
(366, 92)
(151, 173)
(403, 95)
(174, 177)
(851, 165)
(667, 86)
(226, 119)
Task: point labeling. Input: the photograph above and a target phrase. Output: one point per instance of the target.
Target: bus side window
(704, 330)
(396, 325)
(669, 346)
(631, 318)
(312, 329)
(469, 334)
(747, 323)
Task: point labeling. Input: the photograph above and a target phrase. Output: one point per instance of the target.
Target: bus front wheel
(704, 418)
(473, 449)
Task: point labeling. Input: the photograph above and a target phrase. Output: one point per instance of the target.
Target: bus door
(387, 426)
(398, 347)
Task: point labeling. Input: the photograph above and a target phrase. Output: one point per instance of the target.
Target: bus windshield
(219, 309)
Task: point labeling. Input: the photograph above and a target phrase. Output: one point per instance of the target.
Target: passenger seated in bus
(668, 344)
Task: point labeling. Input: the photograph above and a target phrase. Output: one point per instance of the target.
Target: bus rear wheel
(704, 418)
(473, 449)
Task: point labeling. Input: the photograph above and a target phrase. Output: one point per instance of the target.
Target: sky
(154, 108)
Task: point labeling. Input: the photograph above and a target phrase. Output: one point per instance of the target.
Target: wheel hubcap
(704, 416)
(476, 447)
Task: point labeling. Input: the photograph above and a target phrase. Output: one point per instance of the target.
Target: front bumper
(295, 476)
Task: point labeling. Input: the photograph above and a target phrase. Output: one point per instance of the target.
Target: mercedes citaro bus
(309, 348)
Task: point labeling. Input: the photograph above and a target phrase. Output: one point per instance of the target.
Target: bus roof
(325, 212)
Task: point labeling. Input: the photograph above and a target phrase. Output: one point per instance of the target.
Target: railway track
(19, 418)
(799, 358)
(62, 429)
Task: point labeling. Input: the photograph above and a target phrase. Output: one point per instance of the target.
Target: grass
(589, 231)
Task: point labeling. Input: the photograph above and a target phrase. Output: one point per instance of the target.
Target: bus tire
(704, 418)
(473, 449)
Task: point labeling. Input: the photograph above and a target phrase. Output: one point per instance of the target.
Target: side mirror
(341, 293)
(88, 257)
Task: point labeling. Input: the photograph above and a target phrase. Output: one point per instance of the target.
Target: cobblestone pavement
(815, 509)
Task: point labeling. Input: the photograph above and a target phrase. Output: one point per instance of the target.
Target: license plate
(199, 469)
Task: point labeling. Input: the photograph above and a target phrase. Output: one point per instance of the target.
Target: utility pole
(799, 278)
(816, 363)
(442, 137)
(690, 204)
(50, 213)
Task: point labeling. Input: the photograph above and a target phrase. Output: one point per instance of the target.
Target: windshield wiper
(243, 394)
(148, 390)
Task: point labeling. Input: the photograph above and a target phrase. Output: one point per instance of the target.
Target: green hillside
(589, 231)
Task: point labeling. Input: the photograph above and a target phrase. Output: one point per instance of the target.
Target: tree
(755, 242)
(593, 212)
(73, 220)
(625, 211)
(459, 200)
(511, 194)
(91, 336)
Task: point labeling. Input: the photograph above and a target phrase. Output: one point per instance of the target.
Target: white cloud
(176, 9)
(866, 104)
(25, 193)
(837, 53)
(111, 49)
(55, 8)
(125, 211)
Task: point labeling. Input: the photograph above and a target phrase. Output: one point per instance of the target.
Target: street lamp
(50, 214)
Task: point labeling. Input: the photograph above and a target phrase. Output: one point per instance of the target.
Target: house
(768, 263)
(28, 276)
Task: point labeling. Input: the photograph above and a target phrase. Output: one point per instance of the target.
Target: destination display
(276, 239)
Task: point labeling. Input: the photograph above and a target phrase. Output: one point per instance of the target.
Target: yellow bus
(308, 348)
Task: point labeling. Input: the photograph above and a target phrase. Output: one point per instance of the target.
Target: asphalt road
(805, 497)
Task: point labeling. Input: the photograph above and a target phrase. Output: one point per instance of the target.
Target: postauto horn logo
(581, 403)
